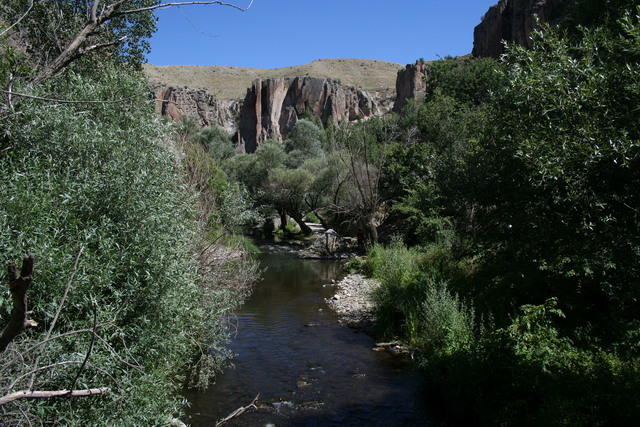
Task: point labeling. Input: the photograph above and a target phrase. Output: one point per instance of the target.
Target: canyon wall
(512, 21)
(410, 84)
(273, 106)
(204, 108)
(270, 108)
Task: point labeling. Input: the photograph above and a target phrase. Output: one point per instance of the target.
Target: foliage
(304, 142)
(519, 181)
(560, 182)
(447, 326)
(217, 143)
(93, 177)
(467, 80)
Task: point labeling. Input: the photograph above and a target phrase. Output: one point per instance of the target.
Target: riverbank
(353, 301)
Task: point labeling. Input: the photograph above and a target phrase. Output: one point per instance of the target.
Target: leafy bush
(92, 179)
(447, 326)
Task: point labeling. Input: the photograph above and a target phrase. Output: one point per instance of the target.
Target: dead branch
(6, 30)
(86, 357)
(18, 285)
(241, 410)
(26, 394)
(66, 292)
(43, 368)
(186, 3)
(75, 49)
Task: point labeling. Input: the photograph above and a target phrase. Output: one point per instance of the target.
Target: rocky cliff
(512, 21)
(205, 108)
(272, 106)
(410, 84)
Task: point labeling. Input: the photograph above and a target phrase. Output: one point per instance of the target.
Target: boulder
(328, 244)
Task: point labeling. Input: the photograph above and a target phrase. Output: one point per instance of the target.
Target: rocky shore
(352, 301)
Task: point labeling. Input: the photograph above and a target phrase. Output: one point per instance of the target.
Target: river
(308, 369)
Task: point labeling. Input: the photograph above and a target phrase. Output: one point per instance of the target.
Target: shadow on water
(309, 370)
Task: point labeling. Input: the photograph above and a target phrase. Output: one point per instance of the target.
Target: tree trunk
(283, 220)
(303, 225)
(322, 221)
(372, 232)
(19, 283)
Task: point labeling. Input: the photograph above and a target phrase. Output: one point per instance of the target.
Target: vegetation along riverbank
(494, 202)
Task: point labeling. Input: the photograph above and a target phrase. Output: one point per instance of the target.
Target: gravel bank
(352, 301)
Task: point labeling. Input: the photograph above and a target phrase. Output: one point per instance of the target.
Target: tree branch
(19, 19)
(26, 394)
(187, 3)
(18, 286)
(96, 46)
(74, 49)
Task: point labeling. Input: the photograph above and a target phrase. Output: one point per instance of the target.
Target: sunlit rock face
(512, 21)
(410, 84)
(272, 107)
(204, 108)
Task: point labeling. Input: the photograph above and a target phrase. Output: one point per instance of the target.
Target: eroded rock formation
(512, 21)
(410, 84)
(205, 108)
(272, 107)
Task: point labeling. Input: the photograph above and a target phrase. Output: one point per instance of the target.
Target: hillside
(232, 82)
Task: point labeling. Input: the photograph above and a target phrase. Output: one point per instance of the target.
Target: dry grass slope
(232, 82)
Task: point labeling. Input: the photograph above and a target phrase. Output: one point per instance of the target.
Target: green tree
(304, 142)
(561, 162)
(286, 190)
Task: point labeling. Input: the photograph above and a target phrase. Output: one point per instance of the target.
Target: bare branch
(86, 357)
(186, 3)
(241, 410)
(66, 292)
(43, 368)
(19, 19)
(97, 46)
(94, 10)
(26, 394)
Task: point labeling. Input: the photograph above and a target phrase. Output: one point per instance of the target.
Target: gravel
(352, 301)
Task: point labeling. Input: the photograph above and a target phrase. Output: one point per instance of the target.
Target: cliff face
(410, 84)
(205, 108)
(513, 21)
(272, 107)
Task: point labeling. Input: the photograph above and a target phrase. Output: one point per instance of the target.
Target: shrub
(93, 178)
(447, 325)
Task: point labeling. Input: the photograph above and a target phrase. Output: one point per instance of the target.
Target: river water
(308, 369)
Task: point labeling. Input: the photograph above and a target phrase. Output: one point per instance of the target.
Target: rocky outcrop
(512, 21)
(330, 245)
(410, 84)
(273, 106)
(205, 108)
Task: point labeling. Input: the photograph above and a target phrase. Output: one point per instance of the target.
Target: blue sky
(280, 33)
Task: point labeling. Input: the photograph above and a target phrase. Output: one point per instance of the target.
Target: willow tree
(358, 155)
